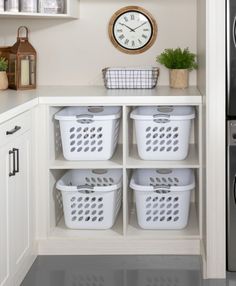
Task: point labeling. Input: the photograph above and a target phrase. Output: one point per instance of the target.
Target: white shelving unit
(125, 236)
(71, 12)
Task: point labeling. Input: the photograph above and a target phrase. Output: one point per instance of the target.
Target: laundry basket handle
(81, 116)
(161, 118)
(87, 117)
(95, 109)
(85, 188)
(166, 108)
(143, 188)
(162, 189)
(102, 189)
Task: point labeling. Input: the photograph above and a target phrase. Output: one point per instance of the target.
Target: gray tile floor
(120, 271)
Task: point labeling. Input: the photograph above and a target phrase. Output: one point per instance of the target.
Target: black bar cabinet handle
(234, 34)
(14, 130)
(234, 188)
(17, 169)
(12, 173)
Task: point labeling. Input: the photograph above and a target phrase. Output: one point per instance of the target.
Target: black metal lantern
(22, 63)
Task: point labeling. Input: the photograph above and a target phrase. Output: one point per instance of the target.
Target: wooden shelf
(35, 15)
(190, 232)
(134, 161)
(61, 231)
(114, 163)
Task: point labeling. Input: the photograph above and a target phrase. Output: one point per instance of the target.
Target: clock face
(132, 30)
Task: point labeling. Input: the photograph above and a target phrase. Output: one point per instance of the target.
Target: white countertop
(14, 102)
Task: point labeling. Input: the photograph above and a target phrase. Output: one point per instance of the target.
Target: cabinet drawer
(15, 127)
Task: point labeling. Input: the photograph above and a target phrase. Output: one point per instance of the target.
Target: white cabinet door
(20, 206)
(16, 209)
(7, 185)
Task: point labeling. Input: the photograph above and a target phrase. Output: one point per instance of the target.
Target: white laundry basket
(89, 132)
(163, 132)
(91, 198)
(162, 197)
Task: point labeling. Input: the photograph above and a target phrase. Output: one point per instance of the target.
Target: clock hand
(140, 26)
(123, 24)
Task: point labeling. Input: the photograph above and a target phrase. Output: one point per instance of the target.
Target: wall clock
(132, 30)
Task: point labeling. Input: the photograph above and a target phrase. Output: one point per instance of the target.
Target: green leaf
(177, 59)
(3, 64)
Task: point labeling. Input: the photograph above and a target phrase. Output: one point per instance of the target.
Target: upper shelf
(72, 12)
(36, 15)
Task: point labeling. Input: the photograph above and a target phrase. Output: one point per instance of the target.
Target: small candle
(25, 75)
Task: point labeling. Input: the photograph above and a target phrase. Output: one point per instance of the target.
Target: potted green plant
(179, 62)
(3, 74)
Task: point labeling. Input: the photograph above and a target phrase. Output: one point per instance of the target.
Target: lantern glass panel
(12, 70)
(27, 70)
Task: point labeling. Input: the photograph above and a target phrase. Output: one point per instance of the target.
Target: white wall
(74, 52)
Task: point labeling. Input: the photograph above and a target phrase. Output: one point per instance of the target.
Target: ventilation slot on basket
(164, 181)
(116, 132)
(162, 209)
(162, 139)
(58, 205)
(99, 181)
(86, 139)
(57, 138)
(87, 209)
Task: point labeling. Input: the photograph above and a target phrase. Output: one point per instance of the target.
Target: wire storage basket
(162, 197)
(91, 198)
(163, 132)
(89, 132)
(130, 78)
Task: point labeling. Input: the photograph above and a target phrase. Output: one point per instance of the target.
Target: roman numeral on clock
(132, 16)
(144, 36)
(126, 42)
(126, 19)
(133, 43)
(145, 30)
(121, 37)
(119, 30)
